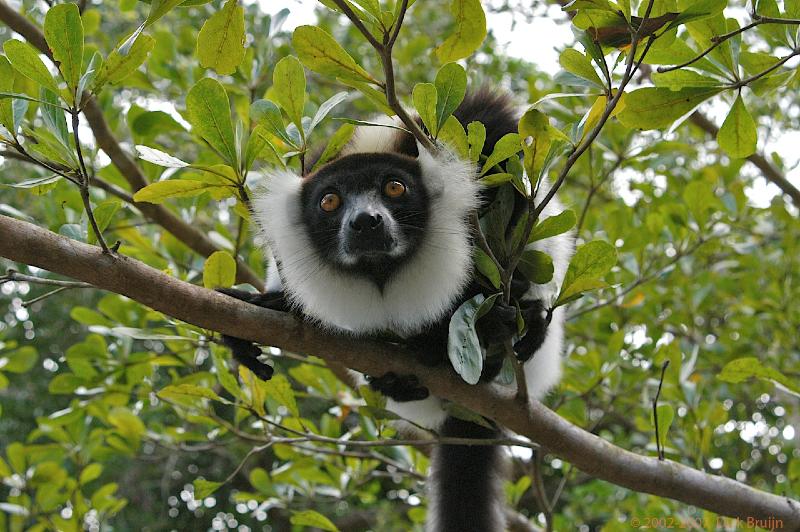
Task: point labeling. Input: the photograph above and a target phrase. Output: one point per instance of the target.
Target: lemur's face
(366, 214)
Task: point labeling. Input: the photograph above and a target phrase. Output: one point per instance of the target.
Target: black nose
(366, 222)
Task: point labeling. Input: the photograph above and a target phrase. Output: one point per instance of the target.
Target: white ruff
(419, 294)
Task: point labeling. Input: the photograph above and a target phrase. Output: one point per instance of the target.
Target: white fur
(421, 293)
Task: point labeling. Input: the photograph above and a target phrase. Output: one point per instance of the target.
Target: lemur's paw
(401, 388)
(247, 353)
(499, 324)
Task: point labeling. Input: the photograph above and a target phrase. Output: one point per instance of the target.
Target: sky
(527, 36)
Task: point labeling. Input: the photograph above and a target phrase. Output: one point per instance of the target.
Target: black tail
(466, 494)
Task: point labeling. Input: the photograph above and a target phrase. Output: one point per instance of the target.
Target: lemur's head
(366, 213)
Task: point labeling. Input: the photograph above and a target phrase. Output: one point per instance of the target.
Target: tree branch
(26, 243)
(769, 172)
(193, 237)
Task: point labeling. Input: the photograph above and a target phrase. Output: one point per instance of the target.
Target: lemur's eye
(330, 202)
(394, 189)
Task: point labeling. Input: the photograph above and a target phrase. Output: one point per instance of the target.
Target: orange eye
(330, 202)
(394, 189)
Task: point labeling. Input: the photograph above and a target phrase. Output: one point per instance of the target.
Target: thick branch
(193, 237)
(769, 172)
(26, 243)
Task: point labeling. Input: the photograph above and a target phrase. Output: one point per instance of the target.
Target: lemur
(379, 240)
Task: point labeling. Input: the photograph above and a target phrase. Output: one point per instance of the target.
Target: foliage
(116, 415)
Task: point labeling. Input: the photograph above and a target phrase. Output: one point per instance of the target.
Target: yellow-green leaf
(576, 63)
(469, 32)
(209, 112)
(321, 53)
(118, 66)
(451, 87)
(219, 270)
(591, 262)
(659, 107)
(220, 43)
(313, 519)
(425, 98)
(279, 389)
(507, 146)
(25, 60)
(173, 188)
(738, 135)
(289, 83)
(63, 31)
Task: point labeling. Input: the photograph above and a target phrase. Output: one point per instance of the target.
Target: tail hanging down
(466, 493)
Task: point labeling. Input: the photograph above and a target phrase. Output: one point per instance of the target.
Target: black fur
(464, 474)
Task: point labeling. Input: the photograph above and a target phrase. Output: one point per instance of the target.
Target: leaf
(536, 266)
(665, 416)
(20, 360)
(157, 157)
(680, 79)
(591, 262)
(25, 60)
(278, 388)
(103, 214)
(119, 66)
(425, 99)
(452, 134)
(659, 107)
(742, 369)
(321, 53)
(159, 8)
(539, 142)
(325, 108)
(203, 488)
(219, 270)
(476, 136)
(261, 481)
(576, 63)
(335, 145)
(267, 114)
(451, 87)
(700, 198)
(6, 84)
(738, 135)
(313, 519)
(63, 31)
(289, 89)
(507, 146)
(172, 188)
(469, 33)
(220, 43)
(191, 390)
(209, 113)
(90, 473)
(486, 266)
(553, 225)
(463, 346)
(494, 180)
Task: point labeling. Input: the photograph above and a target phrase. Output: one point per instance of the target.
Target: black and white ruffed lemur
(379, 240)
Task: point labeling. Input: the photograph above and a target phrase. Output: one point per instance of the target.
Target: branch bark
(769, 172)
(190, 235)
(26, 243)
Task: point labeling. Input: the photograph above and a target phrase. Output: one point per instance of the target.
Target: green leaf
(591, 262)
(321, 53)
(209, 113)
(90, 473)
(742, 369)
(119, 66)
(486, 266)
(507, 146)
(463, 346)
(278, 388)
(452, 134)
(289, 89)
(313, 519)
(659, 107)
(553, 225)
(203, 488)
(25, 60)
(700, 198)
(540, 141)
(536, 266)
(576, 63)
(325, 108)
(219, 270)
(261, 481)
(103, 214)
(20, 360)
(335, 145)
(159, 8)
(220, 43)
(451, 87)
(425, 98)
(681, 79)
(468, 34)
(267, 114)
(7, 85)
(738, 135)
(476, 136)
(495, 180)
(191, 390)
(63, 31)
(172, 188)
(665, 416)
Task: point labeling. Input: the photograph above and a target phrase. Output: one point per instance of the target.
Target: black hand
(537, 318)
(498, 325)
(401, 388)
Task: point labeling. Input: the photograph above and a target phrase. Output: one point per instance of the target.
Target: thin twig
(539, 490)
(84, 185)
(14, 275)
(660, 450)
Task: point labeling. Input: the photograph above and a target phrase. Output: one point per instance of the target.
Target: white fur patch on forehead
(374, 139)
(422, 290)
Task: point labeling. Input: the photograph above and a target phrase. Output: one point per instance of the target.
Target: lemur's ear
(407, 145)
